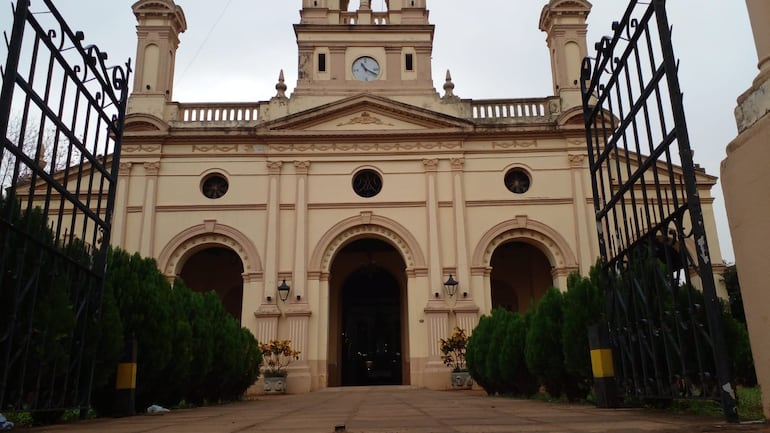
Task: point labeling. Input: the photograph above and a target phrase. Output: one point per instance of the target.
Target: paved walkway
(401, 410)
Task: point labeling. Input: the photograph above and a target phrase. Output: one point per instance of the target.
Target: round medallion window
(367, 183)
(517, 181)
(214, 186)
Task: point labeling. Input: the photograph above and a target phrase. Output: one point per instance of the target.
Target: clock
(366, 69)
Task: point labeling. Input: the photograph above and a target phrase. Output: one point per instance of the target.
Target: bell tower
(159, 24)
(564, 21)
(345, 52)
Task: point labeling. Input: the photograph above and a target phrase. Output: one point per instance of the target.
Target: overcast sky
(233, 50)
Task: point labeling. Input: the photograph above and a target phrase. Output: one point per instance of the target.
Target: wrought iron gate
(61, 119)
(664, 314)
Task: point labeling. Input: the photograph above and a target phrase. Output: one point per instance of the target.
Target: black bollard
(605, 385)
(125, 382)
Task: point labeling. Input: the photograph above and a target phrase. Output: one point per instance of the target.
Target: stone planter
(461, 380)
(274, 384)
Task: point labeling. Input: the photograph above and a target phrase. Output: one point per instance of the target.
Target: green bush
(583, 307)
(544, 355)
(514, 374)
(476, 353)
(495, 354)
(189, 347)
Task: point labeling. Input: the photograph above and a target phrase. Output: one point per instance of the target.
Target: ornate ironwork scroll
(662, 306)
(61, 119)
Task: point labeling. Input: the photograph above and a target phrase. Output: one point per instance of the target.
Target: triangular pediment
(367, 114)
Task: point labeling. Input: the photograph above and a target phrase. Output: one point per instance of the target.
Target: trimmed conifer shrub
(544, 355)
(583, 307)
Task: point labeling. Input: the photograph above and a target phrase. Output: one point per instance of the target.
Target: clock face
(366, 69)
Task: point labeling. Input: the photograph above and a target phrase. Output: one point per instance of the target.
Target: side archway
(206, 235)
(523, 229)
(520, 260)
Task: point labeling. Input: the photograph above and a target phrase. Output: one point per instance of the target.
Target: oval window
(214, 186)
(367, 183)
(517, 181)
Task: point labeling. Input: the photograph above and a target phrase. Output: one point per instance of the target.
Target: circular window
(517, 181)
(367, 183)
(214, 186)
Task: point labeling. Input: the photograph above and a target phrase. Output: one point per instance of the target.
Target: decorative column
(434, 244)
(466, 310)
(298, 314)
(146, 241)
(273, 229)
(745, 184)
(121, 206)
(300, 245)
(437, 310)
(582, 236)
(268, 313)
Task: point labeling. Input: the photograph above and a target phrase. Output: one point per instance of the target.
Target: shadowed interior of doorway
(368, 327)
(521, 274)
(218, 269)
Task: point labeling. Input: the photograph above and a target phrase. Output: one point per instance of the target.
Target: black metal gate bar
(668, 333)
(61, 121)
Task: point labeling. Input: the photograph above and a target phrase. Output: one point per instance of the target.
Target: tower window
(409, 60)
(321, 62)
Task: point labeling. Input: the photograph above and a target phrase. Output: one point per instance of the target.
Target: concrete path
(401, 410)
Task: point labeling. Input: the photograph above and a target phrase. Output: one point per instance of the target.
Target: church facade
(335, 215)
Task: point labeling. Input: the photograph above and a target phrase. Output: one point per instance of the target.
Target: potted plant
(453, 355)
(276, 356)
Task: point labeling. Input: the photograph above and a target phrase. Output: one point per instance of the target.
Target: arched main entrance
(368, 328)
(521, 274)
(218, 269)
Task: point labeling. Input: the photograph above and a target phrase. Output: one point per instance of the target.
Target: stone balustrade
(485, 110)
(219, 112)
(508, 109)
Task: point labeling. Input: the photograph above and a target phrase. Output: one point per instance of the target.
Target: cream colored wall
(180, 206)
(163, 212)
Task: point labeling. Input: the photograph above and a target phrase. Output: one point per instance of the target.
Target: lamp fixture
(451, 286)
(283, 291)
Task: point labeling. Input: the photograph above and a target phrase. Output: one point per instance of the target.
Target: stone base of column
(299, 380)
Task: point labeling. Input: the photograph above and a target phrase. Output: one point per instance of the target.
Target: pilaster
(146, 243)
(300, 246)
(121, 206)
(577, 163)
(273, 229)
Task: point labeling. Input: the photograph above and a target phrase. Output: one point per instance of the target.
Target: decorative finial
(281, 86)
(449, 87)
